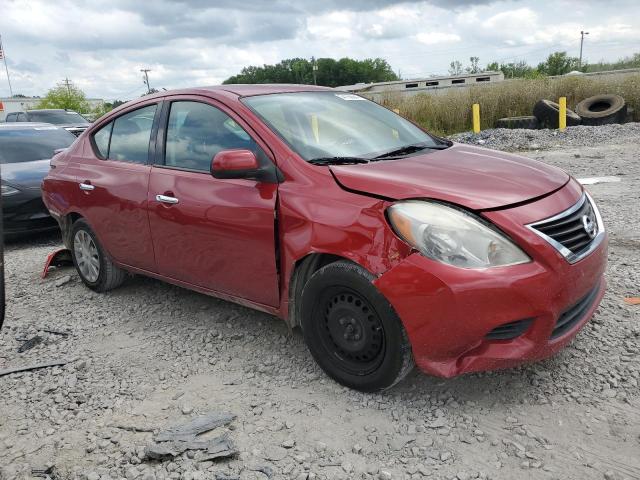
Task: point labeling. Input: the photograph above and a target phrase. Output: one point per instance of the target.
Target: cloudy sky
(101, 45)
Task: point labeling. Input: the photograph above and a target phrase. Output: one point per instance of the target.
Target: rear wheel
(96, 270)
(351, 329)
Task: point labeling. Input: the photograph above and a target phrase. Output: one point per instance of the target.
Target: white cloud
(433, 38)
(101, 45)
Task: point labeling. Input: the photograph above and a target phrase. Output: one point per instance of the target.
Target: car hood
(25, 174)
(473, 177)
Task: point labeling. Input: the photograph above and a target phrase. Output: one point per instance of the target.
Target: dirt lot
(149, 355)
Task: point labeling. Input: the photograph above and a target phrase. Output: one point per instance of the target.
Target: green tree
(474, 66)
(559, 63)
(514, 69)
(455, 68)
(68, 97)
(627, 62)
(330, 73)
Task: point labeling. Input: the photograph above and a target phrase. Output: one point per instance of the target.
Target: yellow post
(562, 121)
(476, 118)
(314, 127)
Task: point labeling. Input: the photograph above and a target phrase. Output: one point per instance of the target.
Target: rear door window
(22, 117)
(131, 134)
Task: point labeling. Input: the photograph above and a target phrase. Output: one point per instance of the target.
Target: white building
(377, 91)
(13, 104)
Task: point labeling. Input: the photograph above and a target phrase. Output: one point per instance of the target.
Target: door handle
(166, 199)
(86, 187)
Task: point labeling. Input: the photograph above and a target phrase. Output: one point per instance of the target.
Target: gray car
(25, 152)
(71, 121)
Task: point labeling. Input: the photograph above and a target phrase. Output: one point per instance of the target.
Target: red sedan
(387, 245)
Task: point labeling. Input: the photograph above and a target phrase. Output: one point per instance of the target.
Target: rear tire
(95, 269)
(529, 122)
(602, 110)
(351, 329)
(548, 115)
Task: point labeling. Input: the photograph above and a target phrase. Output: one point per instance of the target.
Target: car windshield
(332, 125)
(57, 118)
(26, 145)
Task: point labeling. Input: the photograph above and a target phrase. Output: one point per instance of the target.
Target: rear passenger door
(112, 180)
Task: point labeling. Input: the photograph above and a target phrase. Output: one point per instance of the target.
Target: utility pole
(582, 34)
(146, 78)
(67, 83)
(314, 68)
(3, 56)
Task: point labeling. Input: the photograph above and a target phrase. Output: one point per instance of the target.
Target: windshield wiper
(411, 149)
(338, 160)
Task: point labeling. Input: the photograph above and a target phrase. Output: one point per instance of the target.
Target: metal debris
(198, 425)
(56, 332)
(29, 344)
(176, 440)
(36, 366)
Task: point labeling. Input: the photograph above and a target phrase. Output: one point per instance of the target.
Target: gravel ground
(580, 136)
(150, 355)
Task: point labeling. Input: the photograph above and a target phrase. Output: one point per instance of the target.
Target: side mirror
(243, 164)
(234, 164)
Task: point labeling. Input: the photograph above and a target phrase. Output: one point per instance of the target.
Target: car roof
(28, 126)
(49, 110)
(241, 90)
(232, 90)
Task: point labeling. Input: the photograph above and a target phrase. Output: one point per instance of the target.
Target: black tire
(548, 113)
(109, 276)
(630, 115)
(528, 122)
(352, 331)
(602, 110)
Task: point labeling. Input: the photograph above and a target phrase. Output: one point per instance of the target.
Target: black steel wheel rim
(350, 331)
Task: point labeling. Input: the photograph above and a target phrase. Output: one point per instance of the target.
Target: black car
(67, 119)
(25, 152)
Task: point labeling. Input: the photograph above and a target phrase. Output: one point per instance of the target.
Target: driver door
(213, 233)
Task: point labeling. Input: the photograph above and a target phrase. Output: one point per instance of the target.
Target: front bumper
(448, 312)
(26, 213)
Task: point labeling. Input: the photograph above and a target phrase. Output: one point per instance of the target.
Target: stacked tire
(597, 110)
(602, 110)
(548, 115)
(529, 122)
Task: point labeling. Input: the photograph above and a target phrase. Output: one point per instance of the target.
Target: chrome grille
(576, 232)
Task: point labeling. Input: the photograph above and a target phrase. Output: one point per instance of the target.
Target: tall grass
(450, 112)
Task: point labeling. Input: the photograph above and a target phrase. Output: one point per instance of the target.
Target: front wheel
(96, 270)
(352, 331)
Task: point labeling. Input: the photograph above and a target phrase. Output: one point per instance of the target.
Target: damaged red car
(388, 246)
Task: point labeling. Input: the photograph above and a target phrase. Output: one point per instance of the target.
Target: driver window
(197, 131)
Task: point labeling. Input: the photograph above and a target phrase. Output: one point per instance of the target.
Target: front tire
(95, 269)
(351, 329)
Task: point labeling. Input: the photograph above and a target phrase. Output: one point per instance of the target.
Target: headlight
(8, 190)
(452, 236)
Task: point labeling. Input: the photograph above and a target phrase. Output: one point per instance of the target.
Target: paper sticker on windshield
(45, 128)
(349, 96)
